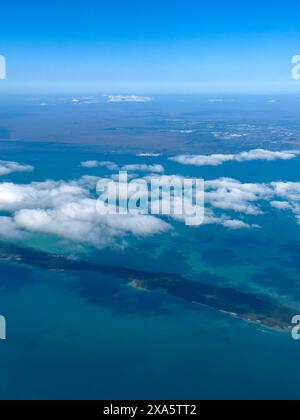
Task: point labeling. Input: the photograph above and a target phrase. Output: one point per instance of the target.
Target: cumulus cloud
(289, 194)
(7, 168)
(281, 205)
(68, 210)
(144, 168)
(111, 166)
(226, 195)
(230, 194)
(287, 190)
(81, 222)
(225, 221)
(250, 199)
(84, 101)
(9, 229)
(129, 98)
(38, 195)
(236, 224)
(219, 159)
(149, 154)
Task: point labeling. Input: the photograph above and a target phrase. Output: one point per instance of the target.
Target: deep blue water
(131, 344)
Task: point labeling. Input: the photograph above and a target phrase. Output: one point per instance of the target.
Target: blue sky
(166, 45)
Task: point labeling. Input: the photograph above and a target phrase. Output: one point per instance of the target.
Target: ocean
(88, 335)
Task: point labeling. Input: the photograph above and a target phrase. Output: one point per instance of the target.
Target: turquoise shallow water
(86, 335)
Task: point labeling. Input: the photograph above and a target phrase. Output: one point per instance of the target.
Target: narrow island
(246, 306)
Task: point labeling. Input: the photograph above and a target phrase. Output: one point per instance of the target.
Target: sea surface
(85, 335)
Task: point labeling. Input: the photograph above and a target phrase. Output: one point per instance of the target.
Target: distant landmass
(246, 306)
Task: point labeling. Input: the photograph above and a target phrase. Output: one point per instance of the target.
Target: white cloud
(81, 222)
(9, 229)
(111, 166)
(281, 205)
(129, 98)
(230, 194)
(7, 168)
(225, 195)
(289, 193)
(39, 195)
(84, 101)
(149, 154)
(236, 224)
(287, 190)
(247, 199)
(219, 159)
(225, 221)
(144, 168)
(69, 209)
